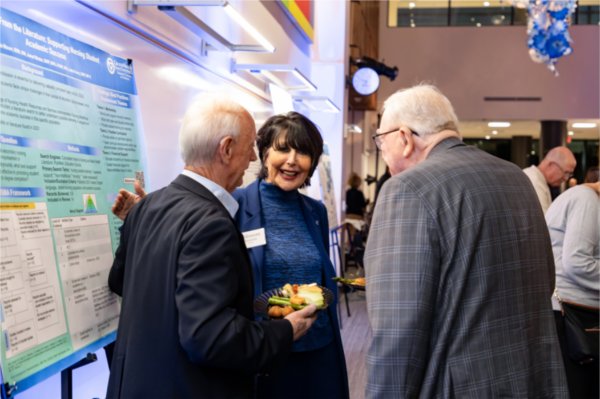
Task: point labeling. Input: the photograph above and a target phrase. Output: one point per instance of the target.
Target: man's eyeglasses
(566, 174)
(377, 136)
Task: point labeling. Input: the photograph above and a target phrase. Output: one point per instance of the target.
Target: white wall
(329, 68)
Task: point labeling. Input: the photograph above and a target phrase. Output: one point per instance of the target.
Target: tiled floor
(356, 335)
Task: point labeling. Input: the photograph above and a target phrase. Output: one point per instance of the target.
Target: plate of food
(358, 283)
(279, 302)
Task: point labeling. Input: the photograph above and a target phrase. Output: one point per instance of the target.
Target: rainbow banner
(300, 13)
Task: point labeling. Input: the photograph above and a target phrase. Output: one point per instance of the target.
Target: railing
(412, 14)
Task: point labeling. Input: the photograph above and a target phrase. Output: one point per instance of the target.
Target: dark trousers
(583, 379)
(306, 375)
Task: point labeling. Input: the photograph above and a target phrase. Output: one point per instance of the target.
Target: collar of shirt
(222, 195)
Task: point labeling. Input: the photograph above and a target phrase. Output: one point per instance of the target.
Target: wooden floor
(356, 335)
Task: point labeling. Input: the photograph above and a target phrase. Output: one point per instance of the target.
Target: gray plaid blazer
(460, 274)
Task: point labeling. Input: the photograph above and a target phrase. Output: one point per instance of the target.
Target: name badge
(255, 238)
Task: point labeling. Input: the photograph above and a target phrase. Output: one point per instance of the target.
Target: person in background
(574, 223)
(557, 167)
(592, 175)
(459, 266)
(187, 326)
(294, 249)
(355, 199)
(384, 177)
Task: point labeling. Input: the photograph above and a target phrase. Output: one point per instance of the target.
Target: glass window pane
(418, 13)
(520, 16)
(480, 13)
(500, 147)
(587, 14)
(415, 13)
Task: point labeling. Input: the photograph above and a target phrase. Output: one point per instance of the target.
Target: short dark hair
(300, 134)
(592, 175)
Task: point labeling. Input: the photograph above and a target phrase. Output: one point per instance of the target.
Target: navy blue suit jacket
(187, 325)
(249, 217)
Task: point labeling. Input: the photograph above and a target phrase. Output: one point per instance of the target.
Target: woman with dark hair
(296, 251)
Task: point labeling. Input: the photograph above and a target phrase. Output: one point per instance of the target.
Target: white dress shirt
(540, 185)
(574, 223)
(222, 195)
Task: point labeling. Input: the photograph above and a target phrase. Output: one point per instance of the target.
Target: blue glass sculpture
(548, 30)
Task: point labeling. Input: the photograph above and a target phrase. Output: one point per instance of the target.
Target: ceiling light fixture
(285, 76)
(583, 125)
(318, 104)
(178, 11)
(498, 124)
(247, 26)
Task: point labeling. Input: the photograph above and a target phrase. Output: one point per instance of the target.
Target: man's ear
(225, 149)
(408, 139)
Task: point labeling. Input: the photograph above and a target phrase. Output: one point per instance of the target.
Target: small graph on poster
(89, 203)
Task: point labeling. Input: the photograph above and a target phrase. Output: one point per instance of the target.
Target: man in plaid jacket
(459, 267)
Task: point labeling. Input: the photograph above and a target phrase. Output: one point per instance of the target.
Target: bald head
(558, 165)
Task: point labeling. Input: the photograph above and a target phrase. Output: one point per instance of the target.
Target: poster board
(68, 141)
(327, 192)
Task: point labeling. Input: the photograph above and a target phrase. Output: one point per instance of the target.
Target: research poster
(327, 192)
(69, 139)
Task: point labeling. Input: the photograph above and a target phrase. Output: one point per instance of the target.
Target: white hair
(205, 123)
(422, 108)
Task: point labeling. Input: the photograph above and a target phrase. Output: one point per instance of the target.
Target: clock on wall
(365, 81)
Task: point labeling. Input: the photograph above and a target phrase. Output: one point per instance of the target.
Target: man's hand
(302, 320)
(126, 200)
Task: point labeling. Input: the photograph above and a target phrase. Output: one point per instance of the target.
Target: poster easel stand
(66, 376)
(7, 390)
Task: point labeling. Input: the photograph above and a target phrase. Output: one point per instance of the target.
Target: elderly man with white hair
(459, 267)
(187, 327)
